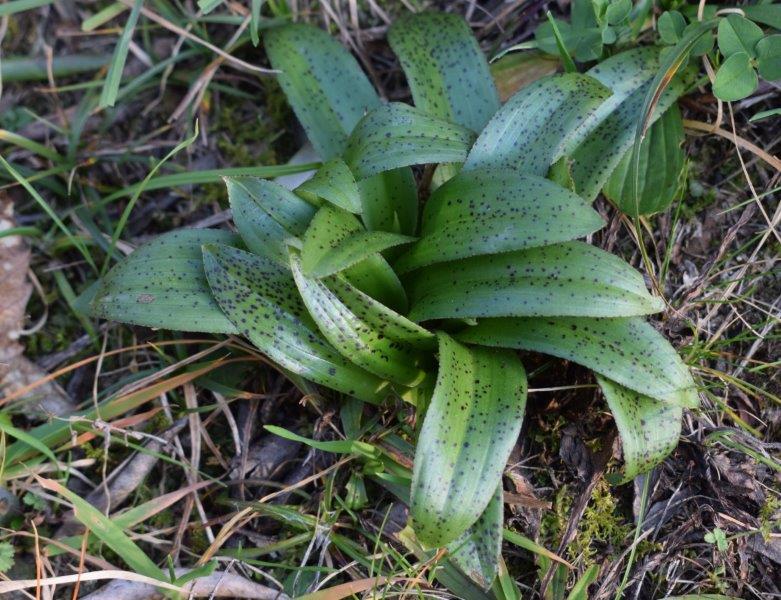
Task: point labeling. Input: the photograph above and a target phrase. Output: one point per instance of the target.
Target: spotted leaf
(359, 339)
(630, 75)
(267, 215)
(649, 429)
(397, 135)
(260, 298)
(569, 279)
(162, 284)
(469, 429)
(333, 182)
(627, 350)
(476, 553)
(488, 211)
(445, 68)
(323, 83)
(330, 230)
(539, 124)
(389, 201)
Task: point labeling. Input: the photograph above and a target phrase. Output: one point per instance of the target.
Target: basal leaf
(476, 553)
(323, 83)
(354, 248)
(445, 68)
(330, 229)
(261, 299)
(267, 215)
(660, 169)
(537, 125)
(569, 279)
(649, 429)
(162, 284)
(627, 350)
(469, 429)
(629, 74)
(389, 201)
(333, 182)
(487, 211)
(352, 334)
(397, 135)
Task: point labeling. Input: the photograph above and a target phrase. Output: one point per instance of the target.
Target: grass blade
(110, 88)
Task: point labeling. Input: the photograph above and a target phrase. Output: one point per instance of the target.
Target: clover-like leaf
(469, 429)
(627, 350)
(569, 279)
(738, 34)
(769, 57)
(736, 78)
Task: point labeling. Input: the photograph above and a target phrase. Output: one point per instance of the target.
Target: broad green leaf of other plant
(469, 429)
(660, 171)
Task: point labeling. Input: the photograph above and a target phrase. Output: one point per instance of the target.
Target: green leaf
(585, 43)
(323, 83)
(627, 350)
(334, 182)
(486, 211)
(661, 168)
(114, 76)
(162, 284)
(445, 68)
(336, 446)
(670, 26)
(6, 557)
(267, 215)
(617, 11)
(107, 531)
(738, 34)
(261, 299)
(736, 78)
(330, 230)
(390, 201)
(569, 279)
(352, 334)
(765, 114)
(538, 124)
(468, 432)
(477, 551)
(648, 428)
(769, 53)
(629, 74)
(767, 14)
(397, 135)
(354, 248)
